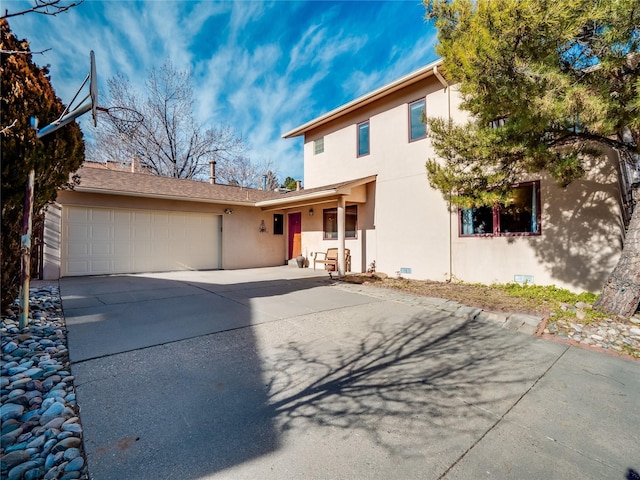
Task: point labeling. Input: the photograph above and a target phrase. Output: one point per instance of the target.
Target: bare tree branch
(168, 142)
(6, 129)
(44, 7)
(24, 52)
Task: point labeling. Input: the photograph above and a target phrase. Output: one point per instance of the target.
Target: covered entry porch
(333, 216)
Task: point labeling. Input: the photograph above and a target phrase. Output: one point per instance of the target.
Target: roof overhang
(371, 97)
(128, 193)
(316, 195)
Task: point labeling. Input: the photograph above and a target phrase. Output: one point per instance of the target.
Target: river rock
(52, 412)
(11, 459)
(11, 410)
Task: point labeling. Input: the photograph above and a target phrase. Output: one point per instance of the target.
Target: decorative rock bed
(41, 431)
(608, 334)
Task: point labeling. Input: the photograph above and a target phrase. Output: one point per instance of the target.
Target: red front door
(295, 230)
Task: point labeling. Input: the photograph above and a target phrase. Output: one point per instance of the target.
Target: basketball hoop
(125, 120)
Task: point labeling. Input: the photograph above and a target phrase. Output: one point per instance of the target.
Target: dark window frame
(496, 210)
(423, 102)
(278, 224)
(359, 139)
(350, 211)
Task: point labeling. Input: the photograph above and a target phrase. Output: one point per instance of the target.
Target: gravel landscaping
(41, 430)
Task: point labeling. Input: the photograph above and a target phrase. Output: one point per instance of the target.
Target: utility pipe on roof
(212, 172)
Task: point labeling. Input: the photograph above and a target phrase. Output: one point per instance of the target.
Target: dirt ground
(479, 296)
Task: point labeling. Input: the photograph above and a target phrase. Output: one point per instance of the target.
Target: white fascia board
(298, 198)
(412, 77)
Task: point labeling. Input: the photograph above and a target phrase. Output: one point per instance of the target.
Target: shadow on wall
(582, 227)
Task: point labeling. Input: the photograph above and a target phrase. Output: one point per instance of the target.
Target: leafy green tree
(564, 75)
(289, 183)
(25, 92)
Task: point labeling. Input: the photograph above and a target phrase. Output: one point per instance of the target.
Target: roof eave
(370, 97)
(162, 197)
(312, 197)
(297, 198)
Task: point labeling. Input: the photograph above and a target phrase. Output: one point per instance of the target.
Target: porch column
(341, 236)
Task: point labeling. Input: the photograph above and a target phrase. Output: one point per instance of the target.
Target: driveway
(279, 373)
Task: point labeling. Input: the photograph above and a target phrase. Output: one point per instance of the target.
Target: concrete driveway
(278, 373)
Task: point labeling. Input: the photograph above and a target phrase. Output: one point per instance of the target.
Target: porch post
(341, 236)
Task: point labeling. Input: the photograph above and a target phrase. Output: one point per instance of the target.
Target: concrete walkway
(278, 373)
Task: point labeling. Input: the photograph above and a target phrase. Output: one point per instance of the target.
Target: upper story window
(363, 138)
(498, 122)
(417, 127)
(330, 222)
(521, 216)
(318, 146)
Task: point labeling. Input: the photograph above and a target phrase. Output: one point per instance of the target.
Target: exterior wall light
(311, 212)
(228, 211)
(263, 227)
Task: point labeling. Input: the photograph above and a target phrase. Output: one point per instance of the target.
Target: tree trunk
(621, 292)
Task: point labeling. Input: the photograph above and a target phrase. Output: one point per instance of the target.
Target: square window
(330, 222)
(318, 146)
(477, 221)
(417, 128)
(519, 216)
(363, 138)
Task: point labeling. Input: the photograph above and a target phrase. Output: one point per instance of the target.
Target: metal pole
(25, 243)
(341, 236)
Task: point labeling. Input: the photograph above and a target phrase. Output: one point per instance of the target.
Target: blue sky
(263, 68)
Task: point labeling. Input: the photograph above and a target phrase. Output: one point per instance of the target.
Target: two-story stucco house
(569, 237)
(365, 190)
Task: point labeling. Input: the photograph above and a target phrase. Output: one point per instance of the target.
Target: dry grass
(474, 295)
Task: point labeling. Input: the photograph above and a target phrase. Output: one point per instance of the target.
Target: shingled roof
(113, 182)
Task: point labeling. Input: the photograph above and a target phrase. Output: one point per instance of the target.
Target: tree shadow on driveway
(423, 389)
(294, 395)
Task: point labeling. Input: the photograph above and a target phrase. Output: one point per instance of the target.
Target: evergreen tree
(25, 92)
(564, 75)
(289, 183)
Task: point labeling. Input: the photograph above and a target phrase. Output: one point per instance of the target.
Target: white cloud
(262, 68)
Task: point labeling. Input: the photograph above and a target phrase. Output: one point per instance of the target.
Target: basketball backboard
(88, 102)
(93, 88)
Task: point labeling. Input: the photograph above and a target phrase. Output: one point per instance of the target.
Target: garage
(117, 240)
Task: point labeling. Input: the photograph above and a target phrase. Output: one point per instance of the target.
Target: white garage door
(109, 240)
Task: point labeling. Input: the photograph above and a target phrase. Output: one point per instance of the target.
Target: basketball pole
(27, 219)
(25, 250)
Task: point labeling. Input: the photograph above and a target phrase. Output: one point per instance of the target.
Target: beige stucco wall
(408, 224)
(580, 241)
(404, 223)
(243, 245)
